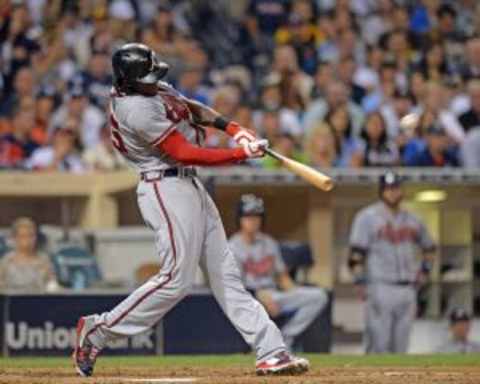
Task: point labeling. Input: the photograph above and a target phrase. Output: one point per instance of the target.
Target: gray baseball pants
(189, 232)
(390, 313)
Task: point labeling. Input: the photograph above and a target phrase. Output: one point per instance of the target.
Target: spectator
(323, 76)
(160, 34)
(97, 80)
(377, 149)
(460, 324)
(320, 146)
(44, 106)
(90, 118)
(336, 96)
(269, 13)
(435, 152)
(347, 146)
(302, 36)
(436, 112)
(23, 86)
(264, 272)
(24, 268)
(434, 66)
(62, 154)
(471, 69)
(271, 100)
(393, 110)
(296, 85)
(18, 145)
(19, 48)
(346, 72)
(471, 118)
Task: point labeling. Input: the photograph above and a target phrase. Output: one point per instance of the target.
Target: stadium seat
(298, 259)
(75, 267)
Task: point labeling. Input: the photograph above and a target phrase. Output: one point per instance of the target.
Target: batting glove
(255, 149)
(244, 136)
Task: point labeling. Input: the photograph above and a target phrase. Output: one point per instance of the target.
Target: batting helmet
(250, 205)
(135, 64)
(389, 179)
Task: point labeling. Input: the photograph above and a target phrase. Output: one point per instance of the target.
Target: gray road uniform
(188, 231)
(390, 244)
(259, 263)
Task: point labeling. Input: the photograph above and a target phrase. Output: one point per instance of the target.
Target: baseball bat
(310, 175)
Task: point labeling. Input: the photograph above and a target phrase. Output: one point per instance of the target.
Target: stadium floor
(236, 369)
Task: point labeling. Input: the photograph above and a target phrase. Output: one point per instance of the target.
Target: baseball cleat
(283, 363)
(85, 353)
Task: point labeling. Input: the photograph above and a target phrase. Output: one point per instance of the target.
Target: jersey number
(116, 137)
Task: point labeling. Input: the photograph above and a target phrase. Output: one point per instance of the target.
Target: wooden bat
(310, 175)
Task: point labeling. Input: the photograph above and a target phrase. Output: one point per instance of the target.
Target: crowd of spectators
(327, 82)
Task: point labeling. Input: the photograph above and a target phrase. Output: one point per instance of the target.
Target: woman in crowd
(377, 149)
(320, 146)
(347, 147)
(25, 268)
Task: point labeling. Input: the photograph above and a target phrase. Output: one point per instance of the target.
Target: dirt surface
(201, 375)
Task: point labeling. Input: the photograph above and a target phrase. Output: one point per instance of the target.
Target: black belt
(155, 175)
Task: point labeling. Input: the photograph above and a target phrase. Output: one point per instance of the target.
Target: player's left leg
(173, 208)
(306, 302)
(403, 319)
(246, 314)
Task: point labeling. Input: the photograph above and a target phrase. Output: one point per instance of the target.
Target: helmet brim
(159, 71)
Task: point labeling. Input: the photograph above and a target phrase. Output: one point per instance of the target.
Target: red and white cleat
(283, 363)
(84, 354)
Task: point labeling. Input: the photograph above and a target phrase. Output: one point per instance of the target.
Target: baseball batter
(265, 273)
(160, 133)
(384, 241)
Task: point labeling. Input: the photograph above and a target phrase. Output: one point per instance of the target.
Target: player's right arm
(359, 241)
(180, 149)
(151, 122)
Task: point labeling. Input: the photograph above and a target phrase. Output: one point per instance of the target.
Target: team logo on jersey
(397, 235)
(262, 267)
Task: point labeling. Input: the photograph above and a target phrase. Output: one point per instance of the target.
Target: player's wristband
(229, 126)
(221, 123)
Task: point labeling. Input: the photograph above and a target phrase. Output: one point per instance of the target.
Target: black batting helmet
(135, 64)
(250, 205)
(389, 179)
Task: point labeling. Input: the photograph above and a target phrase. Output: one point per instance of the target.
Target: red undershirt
(180, 149)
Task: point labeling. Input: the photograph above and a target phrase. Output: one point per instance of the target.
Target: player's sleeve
(359, 234)
(176, 146)
(424, 239)
(150, 121)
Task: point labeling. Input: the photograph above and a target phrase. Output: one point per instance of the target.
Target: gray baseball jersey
(390, 242)
(139, 124)
(188, 231)
(259, 263)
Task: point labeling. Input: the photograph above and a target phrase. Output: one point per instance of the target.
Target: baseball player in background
(264, 272)
(160, 132)
(459, 342)
(384, 241)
